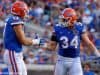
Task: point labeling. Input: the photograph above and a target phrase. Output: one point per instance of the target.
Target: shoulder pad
(7, 19)
(80, 27)
(16, 18)
(57, 25)
(79, 24)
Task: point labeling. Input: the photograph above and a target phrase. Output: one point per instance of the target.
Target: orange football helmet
(68, 15)
(19, 8)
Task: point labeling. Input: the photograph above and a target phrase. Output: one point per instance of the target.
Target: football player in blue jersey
(14, 38)
(67, 36)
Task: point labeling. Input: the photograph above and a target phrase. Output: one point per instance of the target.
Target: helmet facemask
(26, 14)
(67, 22)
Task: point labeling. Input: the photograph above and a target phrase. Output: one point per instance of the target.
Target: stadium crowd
(45, 14)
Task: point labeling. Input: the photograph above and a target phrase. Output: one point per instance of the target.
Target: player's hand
(40, 42)
(43, 43)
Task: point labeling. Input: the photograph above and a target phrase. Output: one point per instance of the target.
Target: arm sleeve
(84, 29)
(54, 33)
(53, 37)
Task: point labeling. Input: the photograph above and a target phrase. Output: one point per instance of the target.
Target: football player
(67, 36)
(14, 38)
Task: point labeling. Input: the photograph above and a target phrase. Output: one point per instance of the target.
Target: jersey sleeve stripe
(17, 23)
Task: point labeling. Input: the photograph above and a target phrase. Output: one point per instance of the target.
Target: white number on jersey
(64, 40)
(65, 44)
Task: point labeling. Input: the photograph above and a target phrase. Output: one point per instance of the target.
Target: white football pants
(15, 63)
(68, 66)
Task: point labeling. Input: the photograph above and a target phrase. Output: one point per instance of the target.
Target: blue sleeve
(54, 33)
(84, 29)
(56, 28)
(81, 28)
(16, 21)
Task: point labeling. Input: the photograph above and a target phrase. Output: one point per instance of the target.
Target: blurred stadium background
(43, 15)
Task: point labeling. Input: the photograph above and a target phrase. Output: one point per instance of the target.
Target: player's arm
(21, 36)
(90, 44)
(52, 44)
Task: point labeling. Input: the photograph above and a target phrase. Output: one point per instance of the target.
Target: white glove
(40, 42)
(36, 41)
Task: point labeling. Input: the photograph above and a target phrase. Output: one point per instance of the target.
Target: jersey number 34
(65, 42)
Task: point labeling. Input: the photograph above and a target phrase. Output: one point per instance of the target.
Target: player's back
(69, 40)
(10, 39)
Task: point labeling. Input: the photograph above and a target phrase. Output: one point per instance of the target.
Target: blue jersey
(10, 39)
(69, 39)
